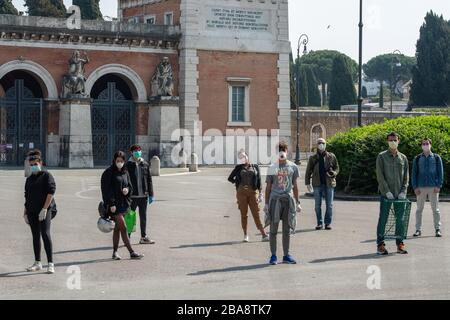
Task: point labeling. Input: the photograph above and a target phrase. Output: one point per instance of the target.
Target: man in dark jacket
(141, 179)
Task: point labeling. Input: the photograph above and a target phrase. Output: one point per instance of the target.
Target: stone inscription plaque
(234, 19)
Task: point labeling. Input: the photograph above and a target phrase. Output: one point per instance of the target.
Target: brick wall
(158, 9)
(214, 69)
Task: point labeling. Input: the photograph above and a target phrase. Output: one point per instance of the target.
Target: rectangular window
(150, 20)
(238, 104)
(168, 18)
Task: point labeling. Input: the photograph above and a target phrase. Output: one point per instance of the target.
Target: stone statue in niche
(74, 82)
(162, 80)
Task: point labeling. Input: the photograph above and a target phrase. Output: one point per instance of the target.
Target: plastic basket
(396, 214)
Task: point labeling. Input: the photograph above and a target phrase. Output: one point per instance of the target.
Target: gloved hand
(42, 215)
(402, 196)
(113, 209)
(151, 200)
(260, 198)
(25, 217)
(266, 209)
(125, 191)
(299, 208)
(310, 188)
(390, 196)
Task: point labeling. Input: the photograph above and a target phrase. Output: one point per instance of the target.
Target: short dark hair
(425, 139)
(283, 146)
(393, 134)
(34, 155)
(135, 147)
(120, 154)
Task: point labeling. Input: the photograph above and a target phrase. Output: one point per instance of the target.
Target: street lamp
(395, 62)
(303, 40)
(360, 99)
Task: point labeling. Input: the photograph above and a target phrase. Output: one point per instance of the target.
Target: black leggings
(120, 230)
(39, 229)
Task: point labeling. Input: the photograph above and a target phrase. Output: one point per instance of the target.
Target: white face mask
(119, 165)
(322, 147)
(282, 155)
(393, 145)
(243, 160)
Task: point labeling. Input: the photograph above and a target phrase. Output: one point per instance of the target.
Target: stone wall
(147, 8)
(325, 124)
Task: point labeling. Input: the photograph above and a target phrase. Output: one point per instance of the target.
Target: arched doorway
(21, 117)
(113, 118)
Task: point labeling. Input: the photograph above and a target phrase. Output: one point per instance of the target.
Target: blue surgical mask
(137, 154)
(35, 169)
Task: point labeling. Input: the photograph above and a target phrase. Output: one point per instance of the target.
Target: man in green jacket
(323, 168)
(393, 179)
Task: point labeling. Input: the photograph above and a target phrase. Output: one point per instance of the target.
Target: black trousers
(41, 229)
(142, 204)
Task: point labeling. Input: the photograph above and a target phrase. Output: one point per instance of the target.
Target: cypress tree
(303, 87)
(342, 90)
(6, 7)
(46, 8)
(90, 9)
(431, 76)
(314, 98)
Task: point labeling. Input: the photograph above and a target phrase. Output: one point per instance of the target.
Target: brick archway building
(230, 61)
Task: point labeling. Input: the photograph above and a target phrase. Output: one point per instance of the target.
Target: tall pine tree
(431, 76)
(46, 8)
(90, 9)
(342, 90)
(6, 7)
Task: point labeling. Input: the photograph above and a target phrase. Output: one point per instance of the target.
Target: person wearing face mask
(322, 169)
(116, 193)
(427, 180)
(247, 179)
(282, 203)
(141, 179)
(392, 169)
(40, 188)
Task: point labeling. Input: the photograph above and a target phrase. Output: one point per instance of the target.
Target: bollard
(155, 166)
(193, 166)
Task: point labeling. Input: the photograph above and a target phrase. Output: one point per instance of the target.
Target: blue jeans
(327, 193)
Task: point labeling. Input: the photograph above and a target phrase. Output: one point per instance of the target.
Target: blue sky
(389, 25)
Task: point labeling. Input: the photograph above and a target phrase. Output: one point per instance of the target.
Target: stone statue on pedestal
(162, 80)
(74, 81)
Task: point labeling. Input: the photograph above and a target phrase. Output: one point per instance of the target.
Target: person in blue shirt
(427, 181)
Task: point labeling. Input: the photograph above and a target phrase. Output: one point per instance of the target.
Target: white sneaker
(51, 268)
(37, 266)
(246, 239)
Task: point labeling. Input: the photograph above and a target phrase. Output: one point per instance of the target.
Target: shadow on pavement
(205, 245)
(231, 269)
(84, 250)
(407, 239)
(359, 257)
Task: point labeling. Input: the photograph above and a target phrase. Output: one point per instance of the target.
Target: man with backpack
(427, 181)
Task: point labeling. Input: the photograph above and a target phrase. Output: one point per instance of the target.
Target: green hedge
(357, 149)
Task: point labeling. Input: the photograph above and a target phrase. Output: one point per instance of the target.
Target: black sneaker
(438, 234)
(417, 234)
(319, 227)
(328, 227)
(136, 256)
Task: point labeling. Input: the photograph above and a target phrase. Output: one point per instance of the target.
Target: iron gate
(20, 124)
(112, 124)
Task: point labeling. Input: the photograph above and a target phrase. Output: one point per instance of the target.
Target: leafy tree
(364, 92)
(322, 62)
(431, 76)
(6, 7)
(46, 8)
(342, 88)
(312, 84)
(90, 9)
(303, 87)
(389, 68)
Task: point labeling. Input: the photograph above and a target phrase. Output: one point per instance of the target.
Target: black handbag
(53, 209)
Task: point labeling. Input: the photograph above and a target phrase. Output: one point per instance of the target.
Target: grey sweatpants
(284, 216)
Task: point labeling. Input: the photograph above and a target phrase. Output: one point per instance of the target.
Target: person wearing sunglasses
(427, 180)
(116, 190)
(40, 188)
(320, 179)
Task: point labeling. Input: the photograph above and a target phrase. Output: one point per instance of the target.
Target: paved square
(199, 254)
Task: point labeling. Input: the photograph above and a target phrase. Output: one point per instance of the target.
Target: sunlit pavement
(199, 253)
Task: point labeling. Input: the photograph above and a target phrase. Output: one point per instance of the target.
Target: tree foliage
(431, 76)
(46, 8)
(342, 89)
(90, 9)
(6, 7)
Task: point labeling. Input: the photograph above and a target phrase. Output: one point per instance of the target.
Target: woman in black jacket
(116, 192)
(247, 178)
(40, 189)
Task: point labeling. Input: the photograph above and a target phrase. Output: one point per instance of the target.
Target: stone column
(76, 134)
(164, 119)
